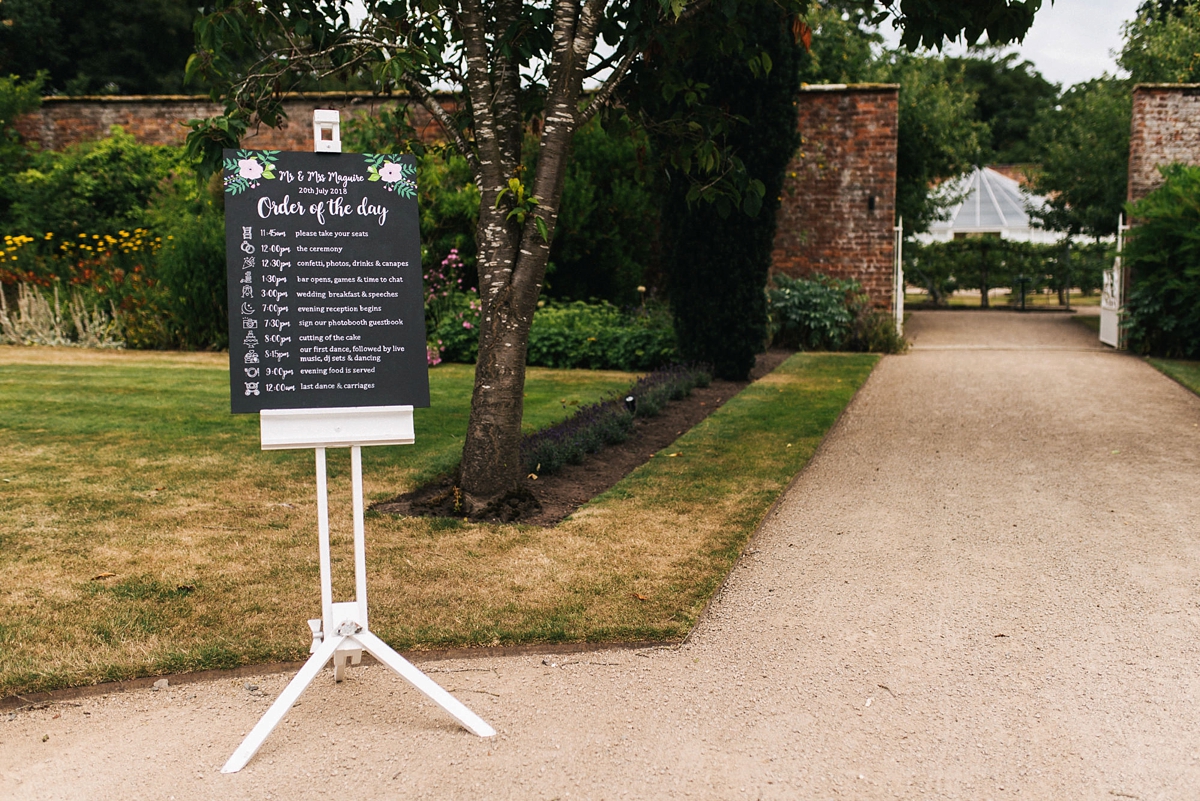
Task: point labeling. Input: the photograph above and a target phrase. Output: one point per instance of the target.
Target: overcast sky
(1071, 40)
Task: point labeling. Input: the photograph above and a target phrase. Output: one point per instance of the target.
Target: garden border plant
(546, 451)
(608, 422)
(824, 313)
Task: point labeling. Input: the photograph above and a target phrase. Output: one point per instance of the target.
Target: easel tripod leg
(283, 703)
(384, 653)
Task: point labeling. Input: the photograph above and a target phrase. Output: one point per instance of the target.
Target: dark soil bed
(548, 499)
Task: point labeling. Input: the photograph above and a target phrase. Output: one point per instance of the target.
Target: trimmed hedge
(593, 336)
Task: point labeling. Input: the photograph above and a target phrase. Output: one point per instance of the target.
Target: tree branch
(605, 92)
(479, 89)
(693, 9)
(603, 64)
(443, 117)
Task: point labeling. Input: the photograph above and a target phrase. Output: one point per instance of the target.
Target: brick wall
(839, 195)
(162, 119)
(1165, 129)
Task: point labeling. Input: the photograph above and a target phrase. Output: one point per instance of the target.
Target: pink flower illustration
(390, 173)
(250, 169)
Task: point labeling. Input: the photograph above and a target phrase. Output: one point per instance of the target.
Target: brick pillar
(839, 195)
(1165, 129)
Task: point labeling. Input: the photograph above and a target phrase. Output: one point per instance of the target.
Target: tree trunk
(1064, 276)
(491, 454)
(983, 277)
(513, 257)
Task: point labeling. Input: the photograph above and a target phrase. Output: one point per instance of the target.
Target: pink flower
(250, 169)
(390, 173)
(466, 324)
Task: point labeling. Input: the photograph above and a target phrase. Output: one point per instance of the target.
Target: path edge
(773, 509)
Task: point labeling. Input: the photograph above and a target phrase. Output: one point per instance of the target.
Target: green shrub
(1163, 254)
(449, 206)
(448, 198)
(17, 97)
(823, 313)
(454, 334)
(813, 314)
(191, 262)
(717, 256)
(594, 336)
(875, 332)
(92, 187)
(598, 336)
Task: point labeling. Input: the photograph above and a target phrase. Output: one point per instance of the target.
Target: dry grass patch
(136, 469)
(641, 560)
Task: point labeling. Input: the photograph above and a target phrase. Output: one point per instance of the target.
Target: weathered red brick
(162, 119)
(1165, 130)
(847, 156)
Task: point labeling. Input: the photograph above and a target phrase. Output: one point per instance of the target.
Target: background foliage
(1085, 158)
(945, 267)
(94, 187)
(1163, 254)
(607, 240)
(1010, 97)
(98, 46)
(1162, 43)
(717, 255)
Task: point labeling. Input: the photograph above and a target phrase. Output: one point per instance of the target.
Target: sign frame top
(323, 259)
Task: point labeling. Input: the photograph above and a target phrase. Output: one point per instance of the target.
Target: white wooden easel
(342, 633)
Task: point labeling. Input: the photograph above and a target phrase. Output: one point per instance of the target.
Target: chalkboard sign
(326, 307)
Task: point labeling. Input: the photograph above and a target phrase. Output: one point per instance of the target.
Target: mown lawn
(142, 531)
(1185, 372)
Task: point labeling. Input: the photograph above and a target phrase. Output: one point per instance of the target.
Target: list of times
(326, 307)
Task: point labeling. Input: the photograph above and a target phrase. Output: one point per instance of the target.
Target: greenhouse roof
(992, 203)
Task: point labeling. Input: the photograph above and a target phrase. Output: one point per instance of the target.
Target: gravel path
(986, 585)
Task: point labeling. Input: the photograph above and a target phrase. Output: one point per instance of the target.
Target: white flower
(389, 172)
(250, 169)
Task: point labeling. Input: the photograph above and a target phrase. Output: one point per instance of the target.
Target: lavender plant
(608, 422)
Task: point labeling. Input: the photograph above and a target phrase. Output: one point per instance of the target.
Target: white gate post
(1112, 297)
(898, 278)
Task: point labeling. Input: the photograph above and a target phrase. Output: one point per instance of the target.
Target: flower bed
(608, 422)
